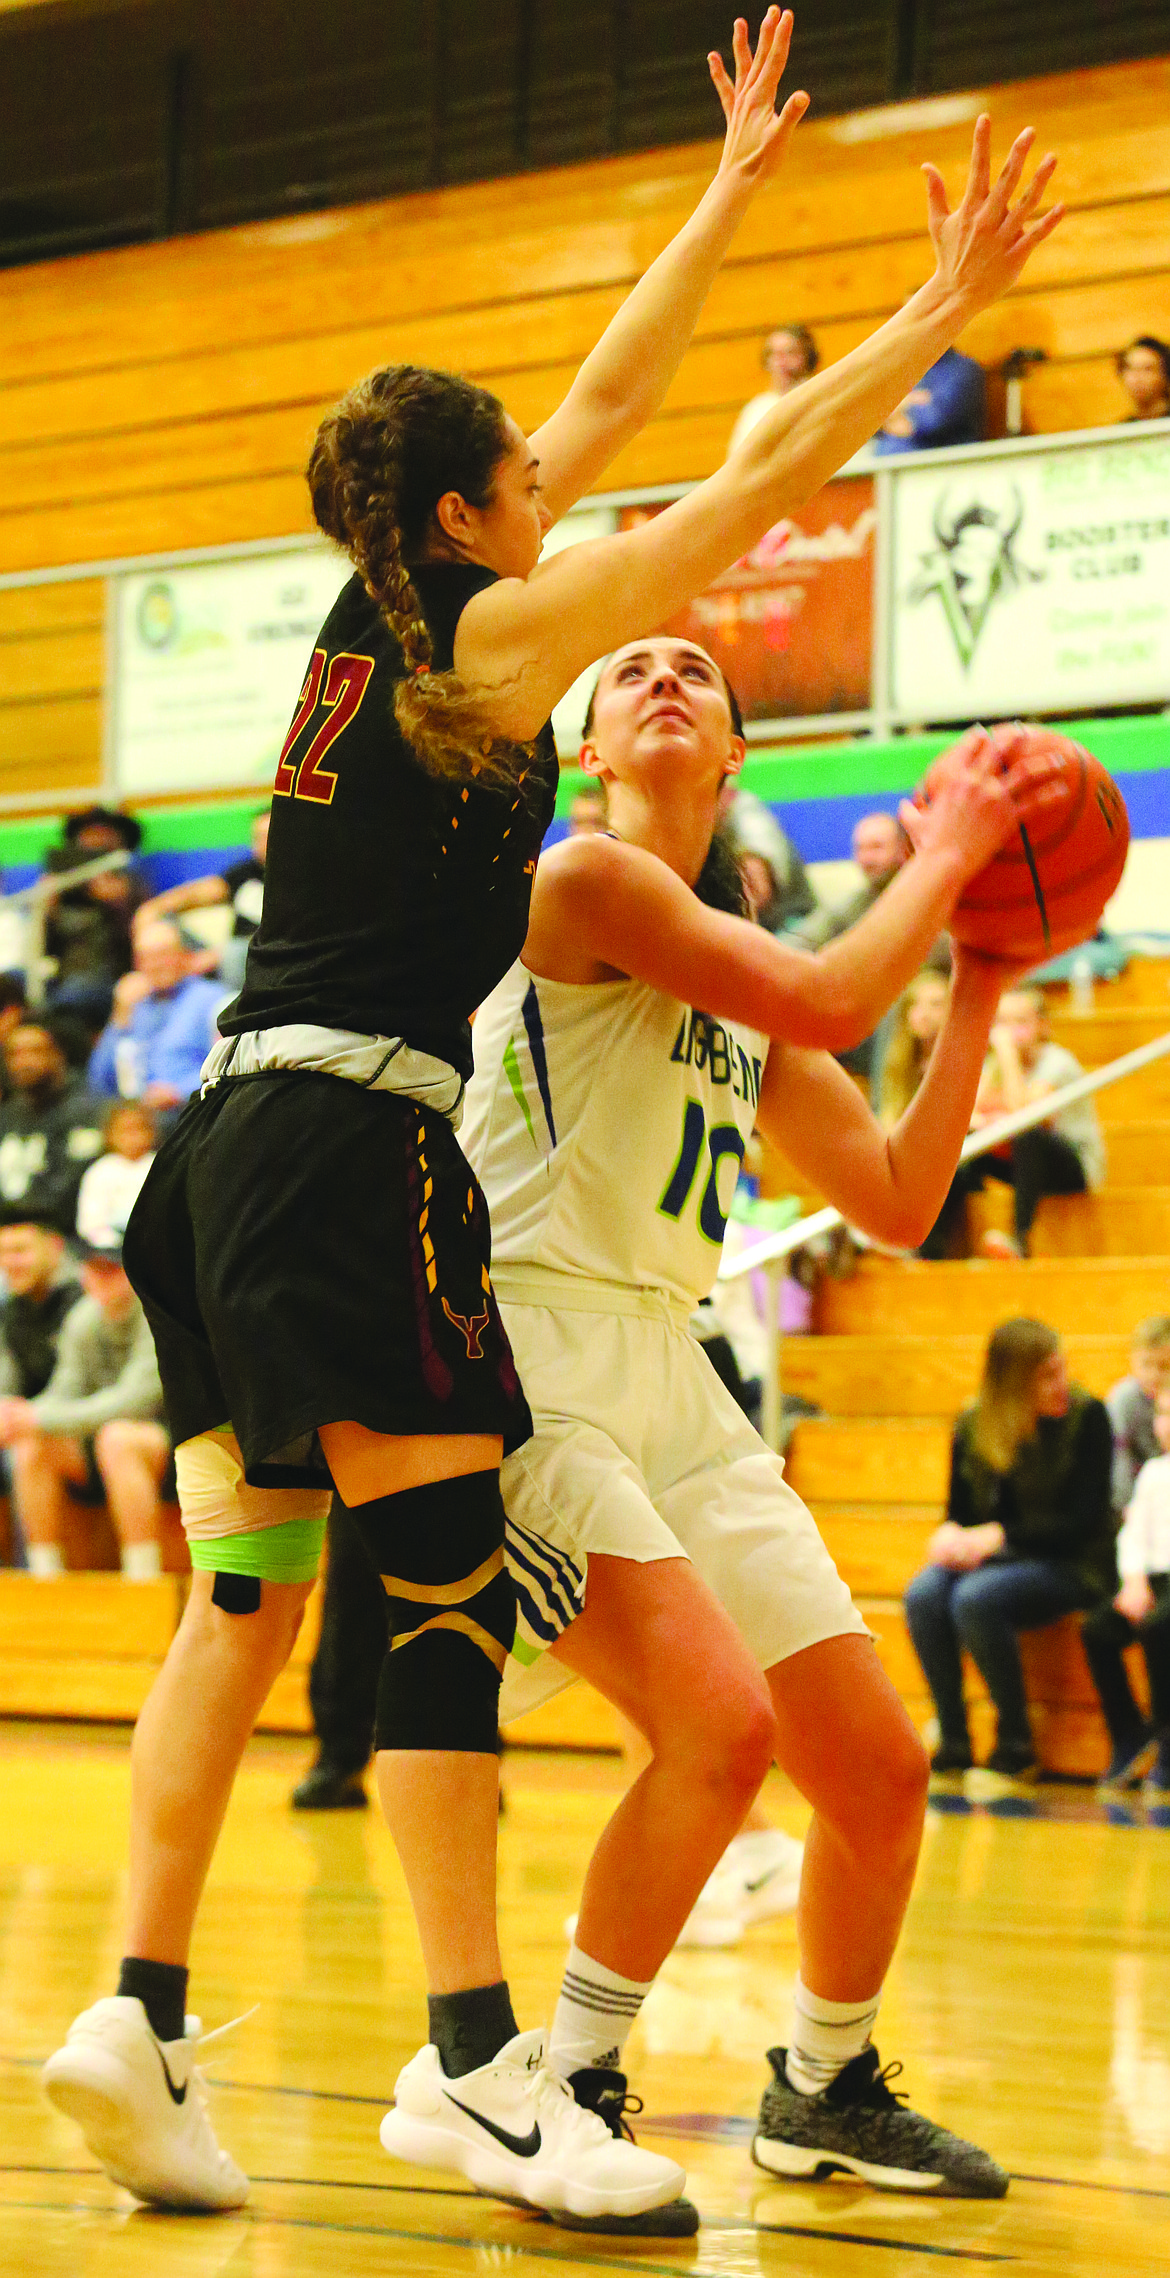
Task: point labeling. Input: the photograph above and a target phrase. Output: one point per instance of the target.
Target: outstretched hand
(982, 246)
(757, 134)
(976, 795)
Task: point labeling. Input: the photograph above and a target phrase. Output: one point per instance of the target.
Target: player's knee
(452, 1611)
(735, 1748)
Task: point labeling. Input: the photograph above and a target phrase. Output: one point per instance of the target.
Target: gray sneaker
(861, 2125)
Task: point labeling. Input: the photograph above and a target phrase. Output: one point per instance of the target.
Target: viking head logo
(973, 560)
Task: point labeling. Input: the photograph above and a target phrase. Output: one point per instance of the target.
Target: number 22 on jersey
(345, 684)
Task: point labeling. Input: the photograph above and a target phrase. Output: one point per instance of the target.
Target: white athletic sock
(826, 2036)
(45, 1560)
(594, 2012)
(141, 1561)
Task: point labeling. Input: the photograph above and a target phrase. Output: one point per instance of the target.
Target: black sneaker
(1014, 1760)
(951, 1756)
(327, 1788)
(605, 2092)
(861, 2125)
(1131, 1757)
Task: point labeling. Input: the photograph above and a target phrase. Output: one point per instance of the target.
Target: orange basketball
(1046, 889)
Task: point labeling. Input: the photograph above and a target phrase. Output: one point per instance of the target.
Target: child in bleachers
(1139, 1612)
(110, 1187)
(1131, 1406)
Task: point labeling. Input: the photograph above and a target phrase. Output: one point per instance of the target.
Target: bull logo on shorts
(471, 1327)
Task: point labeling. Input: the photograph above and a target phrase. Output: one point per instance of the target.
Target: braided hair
(382, 459)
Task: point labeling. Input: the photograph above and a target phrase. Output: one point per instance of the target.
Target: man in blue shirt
(947, 406)
(162, 1025)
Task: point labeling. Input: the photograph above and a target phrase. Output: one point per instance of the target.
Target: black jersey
(393, 901)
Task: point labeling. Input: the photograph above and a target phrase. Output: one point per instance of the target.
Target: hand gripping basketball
(1061, 836)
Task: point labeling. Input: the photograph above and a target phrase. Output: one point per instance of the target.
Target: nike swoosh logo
(525, 2147)
(177, 2095)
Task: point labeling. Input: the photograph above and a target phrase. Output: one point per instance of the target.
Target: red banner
(792, 623)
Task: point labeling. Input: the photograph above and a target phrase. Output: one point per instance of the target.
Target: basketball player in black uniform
(311, 1247)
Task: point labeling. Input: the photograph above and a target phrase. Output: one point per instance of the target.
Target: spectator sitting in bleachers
(162, 1025)
(947, 406)
(241, 884)
(1131, 1406)
(879, 847)
(1065, 1156)
(13, 1008)
(88, 927)
(40, 1287)
(775, 880)
(1028, 1537)
(1138, 1613)
(914, 1031)
(95, 1433)
(111, 1186)
(1144, 371)
(789, 355)
(587, 809)
(50, 1121)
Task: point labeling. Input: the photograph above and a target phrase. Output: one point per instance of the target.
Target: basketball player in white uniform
(655, 1545)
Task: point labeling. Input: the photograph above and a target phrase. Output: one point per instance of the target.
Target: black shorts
(309, 1252)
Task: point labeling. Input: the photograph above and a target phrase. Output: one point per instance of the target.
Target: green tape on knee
(288, 1553)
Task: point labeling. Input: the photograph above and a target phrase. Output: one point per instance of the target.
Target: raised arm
(891, 1184)
(530, 640)
(600, 908)
(621, 384)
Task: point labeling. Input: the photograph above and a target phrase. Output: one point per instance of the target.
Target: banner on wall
(208, 661)
(1032, 582)
(792, 623)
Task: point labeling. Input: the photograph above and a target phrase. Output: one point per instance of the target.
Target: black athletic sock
(161, 1987)
(469, 2029)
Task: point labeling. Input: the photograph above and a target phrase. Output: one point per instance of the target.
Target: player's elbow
(897, 1220)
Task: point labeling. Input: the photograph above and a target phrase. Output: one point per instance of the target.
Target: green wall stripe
(846, 770)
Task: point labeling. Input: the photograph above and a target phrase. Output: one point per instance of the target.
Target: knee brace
(439, 1550)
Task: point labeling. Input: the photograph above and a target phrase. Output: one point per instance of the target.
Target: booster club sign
(1032, 581)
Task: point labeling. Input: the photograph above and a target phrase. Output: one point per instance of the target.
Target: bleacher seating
(901, 1347)
(164, 396)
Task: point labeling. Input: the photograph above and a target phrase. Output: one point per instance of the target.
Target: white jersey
(606, 1124)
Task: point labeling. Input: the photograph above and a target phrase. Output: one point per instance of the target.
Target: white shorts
(640, 1453)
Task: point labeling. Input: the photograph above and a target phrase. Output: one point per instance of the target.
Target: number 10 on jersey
(723, 1140)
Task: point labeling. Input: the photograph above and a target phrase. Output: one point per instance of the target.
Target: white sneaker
(757, 1877)
(140, 2105)
(514, 2129)
(764, 1870)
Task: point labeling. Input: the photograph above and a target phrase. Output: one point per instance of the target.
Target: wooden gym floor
(1030, 2004)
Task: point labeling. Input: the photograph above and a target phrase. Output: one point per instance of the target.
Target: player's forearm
(629, 371)
(924, 1146)
(857, 977)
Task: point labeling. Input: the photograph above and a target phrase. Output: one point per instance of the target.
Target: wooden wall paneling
(69, 662)
(448, 249)
(44, 611)
(267, 507)
(50, 745)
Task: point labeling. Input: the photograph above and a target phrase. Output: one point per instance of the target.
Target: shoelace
(618, 2124)
(879, 2091)
(547, 2084)
(197, 2076)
